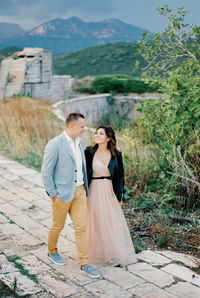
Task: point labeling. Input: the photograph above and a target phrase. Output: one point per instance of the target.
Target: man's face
(78, 127)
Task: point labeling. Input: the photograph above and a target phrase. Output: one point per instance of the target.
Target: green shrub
(114, 120)
(120, 84)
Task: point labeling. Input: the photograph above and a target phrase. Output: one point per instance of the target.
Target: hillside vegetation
(6, 52)
(118, 58)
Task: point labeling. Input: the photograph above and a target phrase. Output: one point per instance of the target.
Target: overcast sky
(142, 13)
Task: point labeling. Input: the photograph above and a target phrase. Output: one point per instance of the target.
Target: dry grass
(26, 126)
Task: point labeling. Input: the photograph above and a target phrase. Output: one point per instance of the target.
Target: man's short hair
(73, 117)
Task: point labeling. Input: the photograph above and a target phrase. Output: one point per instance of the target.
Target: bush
(120, 84)
(171, 126)
(114, 120)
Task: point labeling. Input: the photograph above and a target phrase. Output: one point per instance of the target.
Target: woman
(108, 234)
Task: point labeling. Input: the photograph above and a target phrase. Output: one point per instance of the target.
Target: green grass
(13, 259)
(32, 207)
(10, 220)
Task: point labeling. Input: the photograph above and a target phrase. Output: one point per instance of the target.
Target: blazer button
(75, 180)
(75, 170)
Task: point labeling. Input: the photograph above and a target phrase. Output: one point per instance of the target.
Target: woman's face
(100, 136)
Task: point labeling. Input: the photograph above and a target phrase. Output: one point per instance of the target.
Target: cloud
(31, 13)
(44, 8)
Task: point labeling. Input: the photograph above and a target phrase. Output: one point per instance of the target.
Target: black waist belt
(103, 177)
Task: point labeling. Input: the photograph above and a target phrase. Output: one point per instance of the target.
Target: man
(65, 181)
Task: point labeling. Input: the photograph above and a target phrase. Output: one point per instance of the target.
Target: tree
(172, 124)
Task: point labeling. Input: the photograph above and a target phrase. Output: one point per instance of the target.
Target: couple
(98, 220)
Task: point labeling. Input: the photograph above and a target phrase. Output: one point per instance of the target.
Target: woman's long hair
(111, 145)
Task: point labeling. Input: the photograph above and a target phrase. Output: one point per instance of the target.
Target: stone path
(25, 216)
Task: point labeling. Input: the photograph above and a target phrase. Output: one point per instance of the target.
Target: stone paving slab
(187, 260)
(9, 247)
(121, 277)
(33, 264)
(57, 284)
(11, 229)
(183, 273)
(25, 286)
(6, 266)
(103, 288)
(25, 218)
(3, 219)
(27, 241)
(8, 195)
(152, 274)
(153, 258)
(184, 290)
(148, 290)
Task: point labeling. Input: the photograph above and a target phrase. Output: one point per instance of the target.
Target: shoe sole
(56, 263)
(87, 274)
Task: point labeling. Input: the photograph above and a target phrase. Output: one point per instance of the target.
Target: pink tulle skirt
(109, 240)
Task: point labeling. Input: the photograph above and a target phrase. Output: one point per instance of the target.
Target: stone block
(9, 210)
(21, 183)
(10, 176)
(72, 272)
(183, 273)
(151, 274)
(184, 290)
(39, 191)
(25, 286)
(57, 284)
(33, 264)
(67, 246)
(3, 219)
(21, 203)
(35, 179)
(28, 196)
(187, 260)
(36, 213)
(23, 171)
(121, 277)
(26, 222)
(47, 222)
(10, 248)
(106, 289)
(41, 253)
(153, 258)
(41, 234)
(6, 266)
(28, 241)
(11, 229)
(150, 291)
(45, 205)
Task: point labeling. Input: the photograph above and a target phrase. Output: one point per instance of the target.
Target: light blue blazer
(59, 170)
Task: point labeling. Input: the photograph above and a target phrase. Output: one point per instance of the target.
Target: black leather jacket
(115, 168)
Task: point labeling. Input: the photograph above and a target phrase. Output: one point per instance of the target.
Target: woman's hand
(121, 204)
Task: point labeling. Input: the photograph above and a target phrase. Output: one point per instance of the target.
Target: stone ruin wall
(31, 74)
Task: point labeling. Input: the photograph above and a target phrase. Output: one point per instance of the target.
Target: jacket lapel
(67, 146)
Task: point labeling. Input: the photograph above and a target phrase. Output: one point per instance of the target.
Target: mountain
(118, 58)
(73, 34)
(8, 30)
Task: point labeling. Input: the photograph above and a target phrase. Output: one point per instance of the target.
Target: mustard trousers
(77, 209)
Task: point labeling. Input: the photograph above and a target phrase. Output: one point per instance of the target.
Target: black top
(115, 168)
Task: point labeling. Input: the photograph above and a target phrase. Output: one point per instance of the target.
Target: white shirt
(78, 157)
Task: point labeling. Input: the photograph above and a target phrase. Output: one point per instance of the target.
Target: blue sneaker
(90, 271)
(57, 259)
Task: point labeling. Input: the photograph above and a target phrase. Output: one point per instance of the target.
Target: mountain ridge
(73, 34)
(10, 30)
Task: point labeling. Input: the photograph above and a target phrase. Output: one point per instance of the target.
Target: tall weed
(26, 126)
